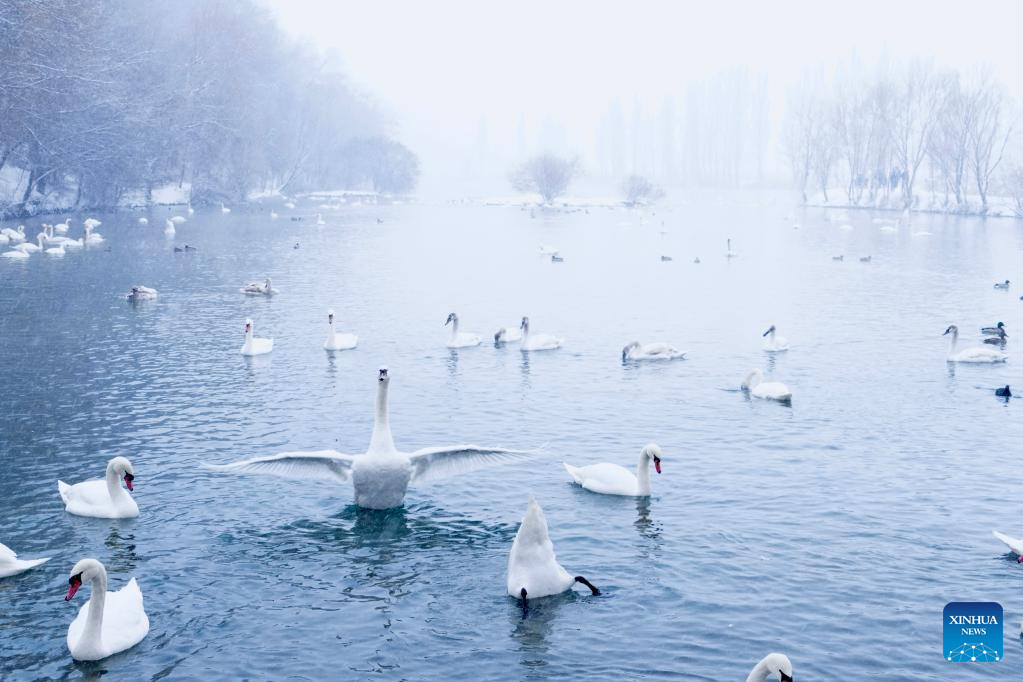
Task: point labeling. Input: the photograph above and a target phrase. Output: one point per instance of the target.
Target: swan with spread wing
(382, 475)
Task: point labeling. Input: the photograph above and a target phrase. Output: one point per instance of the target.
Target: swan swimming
(460, 339)
(775, 344)
(507, 335)
(103, 498)
(141, 293)
(110, 622)
(338, 341)
(533, 568)
(254, 346)
(651, 351)
(320, 220)
(14, 253)
(178, 219)
(974, 354)
(1014, 545)
(612, 479)
(143, 221)
(772, 665)
(224, 209)
(257, 289)
(10, 564)
(168, 228)
(768, 390)
(534, 342)
(91, 223)
(730, 253)
(62, 228)
(382, 475)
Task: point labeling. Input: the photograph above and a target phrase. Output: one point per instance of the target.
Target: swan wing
(1010, 542)
(326, 465)
(430, 464)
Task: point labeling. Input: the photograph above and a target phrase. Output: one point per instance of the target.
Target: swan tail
(65, 491)
(574, 472)
(1011, 543)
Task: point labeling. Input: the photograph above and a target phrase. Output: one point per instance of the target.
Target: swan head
(451, 318)
(653, 451)
(952, 329)
(84, 571)
(123, 468)
(267, 284)
(248, 325)
(628, 347)
(330, 316)
(769, 330)
(778, 665)
(524, 325)
(383, 376)
(754, 377)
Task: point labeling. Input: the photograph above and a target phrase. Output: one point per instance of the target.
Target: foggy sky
(452, 72)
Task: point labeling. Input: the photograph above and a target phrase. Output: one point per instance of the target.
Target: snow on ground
(924, 202)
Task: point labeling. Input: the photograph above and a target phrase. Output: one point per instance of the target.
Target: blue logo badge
(973, 631)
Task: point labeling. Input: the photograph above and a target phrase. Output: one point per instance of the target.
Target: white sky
(440, 66)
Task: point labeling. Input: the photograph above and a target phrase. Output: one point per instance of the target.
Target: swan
(4, 239)
(612, 479)
(10, 564)
(91, 223)
(772, 665)
(110, 622)
(29, 247)
(254, 346)
(178, 219)
(168, 228)
(63, 227)
(1002, 285)
(651, 351)
(336, 341)
(775, 344)
(92, 237)
(460, 339)
(975, 354)
(768, 390)
(15, 236)
(273, 215)
(382, 475)
(320, 220)
(191, 211)
(997, 330)
(537, 341)
(289, 204)
(1016, 546)
(847, 227)
(224, 209)
(257, 289)
(103, 498)
(143, 221)
(533, 568)
(141, 293)
(730, 253)
(55, 250)
(15, 253)
(507, 335)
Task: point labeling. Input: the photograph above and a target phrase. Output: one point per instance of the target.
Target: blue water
(834, 530)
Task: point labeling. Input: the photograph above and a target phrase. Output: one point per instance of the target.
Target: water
(834, 530)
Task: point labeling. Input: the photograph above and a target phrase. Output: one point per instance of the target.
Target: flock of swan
(51, 240)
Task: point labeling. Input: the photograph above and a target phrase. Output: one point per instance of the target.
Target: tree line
(100, 99)
(884, 136)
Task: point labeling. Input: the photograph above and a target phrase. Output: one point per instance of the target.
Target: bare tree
(913, 118)
(637, 189)
(547, 175)
(987, 133)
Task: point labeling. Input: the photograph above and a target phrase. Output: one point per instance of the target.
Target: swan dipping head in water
(777, 666)
(755, 385)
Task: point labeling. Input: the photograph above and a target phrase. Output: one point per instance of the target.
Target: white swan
(254, 346)
(976, 354)
(62, 228)
(110, 622)
(4, 239)
(257, 289)
(273, 214)
(14, 253)
(92, 237)
(1016, 546)
(143, 221)
(533, 568)
(507, 335)
(730, 253)
(652, 351)
(55, 250)
(29, 247)
(775, 343)
(168, 228)
(382, 475)
(460, 339)
(768, 390)
(320, 220)
(338, 341)
(612, 479)
(191, 211)
(141, 293)
(289, 204)
(532, 342)
(178, 219)
(772, 665)
(103, 498)
(224, 209)
(10, 564)
(91, 223)
(15, 236)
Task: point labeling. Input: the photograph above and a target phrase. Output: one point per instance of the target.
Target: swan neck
(114, 487)
(454, 329)
(97, 604)
(381, 442)
(643, 474)
(759, 673)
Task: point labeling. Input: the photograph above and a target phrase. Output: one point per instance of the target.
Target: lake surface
(834, 530)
